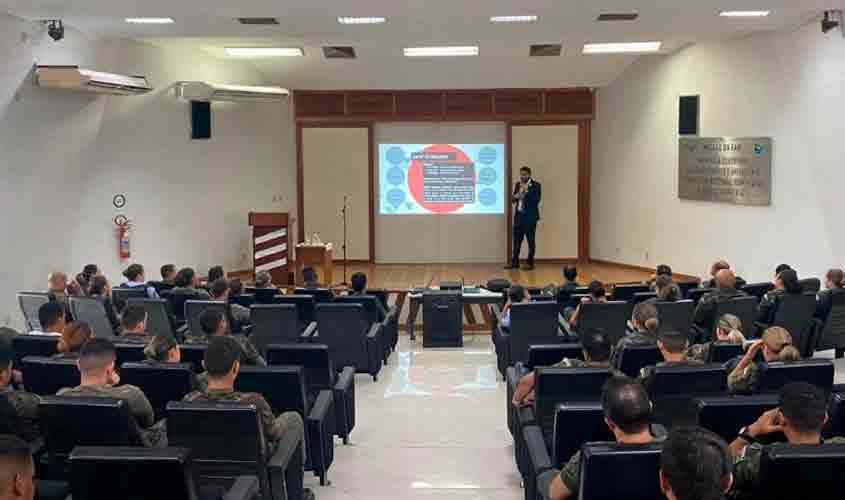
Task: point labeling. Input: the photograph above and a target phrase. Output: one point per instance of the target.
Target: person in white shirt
(516, 294)
(52, 318)
(135, 277)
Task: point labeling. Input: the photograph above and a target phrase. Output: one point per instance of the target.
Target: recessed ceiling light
(264, 51)
(621, 48)
(441, 51)
(744, 13)
(362, 20)
(513, 19)
(149, 20)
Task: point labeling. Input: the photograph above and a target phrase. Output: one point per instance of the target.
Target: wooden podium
(321, 256)
(270, 248)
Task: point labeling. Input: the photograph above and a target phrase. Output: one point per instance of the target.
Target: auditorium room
(378, 250)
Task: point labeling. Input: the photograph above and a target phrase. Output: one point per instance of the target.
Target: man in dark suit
(526, 198)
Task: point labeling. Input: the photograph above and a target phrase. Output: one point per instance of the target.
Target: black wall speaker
(688, 115)
(200, 120)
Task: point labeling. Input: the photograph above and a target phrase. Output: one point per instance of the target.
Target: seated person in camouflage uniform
(17, 469)
(134, 325)
(666, 290)
(99, 379)
(744, 371)
(644, 324)
(673, 346)
(627, 410)
(834, 282)
(597, 295)
(214, 324)
(187, 283)
(695, 464)
(596, 348)
(661, 270)
(704, 317)
(164, 349)
(785, 283)
(222, 363)
(728, 331)
(800, 417)
(717, 266)
(220, 292)
(25, 403)
(73, 338)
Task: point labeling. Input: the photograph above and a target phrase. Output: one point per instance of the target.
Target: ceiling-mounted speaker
(688, 107)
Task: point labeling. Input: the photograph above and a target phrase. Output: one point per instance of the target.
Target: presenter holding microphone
(526, 197)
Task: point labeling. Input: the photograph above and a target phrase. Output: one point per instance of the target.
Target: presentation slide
(419, 179)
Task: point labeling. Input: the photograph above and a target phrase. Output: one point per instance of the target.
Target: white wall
(64, 155)
(789, 86)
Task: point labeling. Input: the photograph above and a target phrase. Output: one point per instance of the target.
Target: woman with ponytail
(73, 337)
(644, 325)
(834, 282)
(776, 345)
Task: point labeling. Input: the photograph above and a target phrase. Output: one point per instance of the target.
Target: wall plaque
(725, 169)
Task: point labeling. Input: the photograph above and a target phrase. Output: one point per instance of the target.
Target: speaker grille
(546, 50)
(339, 52)
(618, 16)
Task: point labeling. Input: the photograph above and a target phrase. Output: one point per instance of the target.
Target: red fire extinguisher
(124, 236)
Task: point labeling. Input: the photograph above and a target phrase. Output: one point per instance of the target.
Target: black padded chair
(304, 308)
(549, 354)
(758, 290)
(686, 286)
(160, 382)
(632, 358)
(833, 330)
(120, 296)
(531, 323)
(744, 308)
(129, 352)
(159, 317)
(576, 424)
(284, 389)
(321, 295)
(132, 473)
(836, 416)
(194, 354)
(696, 294)
(721, 352)
(795, 313)
(245, 300)
(264, 295)
(371, 311)
(724, 415)
(93, 312)
(344, 329)
(382, 296)
(227, 441)
(675, 316)
(34, 345)
(673, 390)
(818, 372)
(29, 303)
(626, 292)
(811, 285)
(177, 299)
(612, 317)
(643, 296)
(633, 469)
(45, 376)
(193, 310)
(321, 375)
(276, 324)
(560, 385)
(161, 287)
(818, 467)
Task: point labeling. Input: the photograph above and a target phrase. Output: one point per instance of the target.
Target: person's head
(7, 356)
(570, 273)
(213, 322)
(695, 464)
(222, 359)
(215, 273)
(99, 286)
(524, 174)
(719, 265)
(16, 469)
(164, 349)
(74, 336)
(134, 319)
(57, 282)
(168, 272)
(596, 345)
(729, 329)
(673, 345)
(834, 278)
(663, 270)
(517, 294)
(777, 345)
(89, 271)
(626, 406)
(185, 278)
(96, 362)
(596, 289)
(236, 287)
(309, 276)
(725, 279)
(52, 317)
(667, 290)
(803, 409)
(781, 268)
(263, 279)
(358, 282)
(644, 317)
(220, 289)
(788, 281)
(134, 272)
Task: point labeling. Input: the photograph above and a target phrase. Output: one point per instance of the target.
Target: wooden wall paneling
(569, 102)
(584, 172)
(320, 103)
(300, 188)
(519, 102)
(372, 173)
(469, 103)
(419, 104)
(369, 103)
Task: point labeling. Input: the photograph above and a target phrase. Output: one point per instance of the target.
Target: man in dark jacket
(526, 196)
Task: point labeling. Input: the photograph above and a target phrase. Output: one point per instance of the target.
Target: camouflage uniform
(768, 306)
(249, 354)
(699, 351)
(647, 372)
(704, 318)
(240, 314)
(636, 338)
(26, 406)
(577, 363)
(66, 355)
(139, 407)
(745, 382)
(134, 338)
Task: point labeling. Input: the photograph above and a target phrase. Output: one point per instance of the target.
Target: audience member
(214, 324)
(786, 282)
(59, 289)
(99, 379)
(516, 294)
(9, 419)
(168, 273)
(74, 336)
(800, 416)
(216, 273)
(84, 278)
(596, 348)
(25, 403)
(358, 282)
(186, 282)
(673, 347)
(570, 283)
(100, 289)
(781, 268)
(627, 410)
(644, 325)
(717, 266)
(52, 318)
(728, 331)
(263, 279)
(597, 295)
(163, 348)
(17, 470)
(744, 371)
(661, 270)
(834, 282)
(310, 278)
(135, 278)
(695, 464)
(236, 287)
(133, 325)
(239, 314)
(666, 289)
(704, 317)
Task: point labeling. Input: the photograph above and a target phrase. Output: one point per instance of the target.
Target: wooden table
(321, 256)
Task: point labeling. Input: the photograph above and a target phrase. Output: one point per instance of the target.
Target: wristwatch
(746, 436)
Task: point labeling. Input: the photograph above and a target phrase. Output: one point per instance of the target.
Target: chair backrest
(160, 382)
(532, 323)
(819, 467)
(758, 289)
(610, 317)
(343, 327)
(795, 313)
(549, 354)
(686, 286)
(643, 296)
(321, 295)
(368, 301)
(129, 353)
(273, 324)
(560, 385)
(625, 292)
(246, 300)
(696, 294)
(45, 376)
(282, 386)
(120, 295)
(319, 370)
(744, 308)
(177, 298)
(442, 318)
(633, 469)
(721, 352)
(672, 390)
(93, 312)
(676, 315)
(34, 345)
(811, 285)
(632, 358)
(836, 416)
(818, 372)
(158, 315)
(265, 295)
(30, 302)
(381, 294)
(725, 415)
(131, 473)
(304, 306)
(161, 286)
(193, 310)
(194, 354)
(833, 333)
(576, 424)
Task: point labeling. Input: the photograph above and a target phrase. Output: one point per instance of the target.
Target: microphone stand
(343, 247)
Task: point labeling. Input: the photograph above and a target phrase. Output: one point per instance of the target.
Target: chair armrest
(392, 311)
(346, 379)
(322, 406)
(244, 488)
(526, 416)
(497, 313)
(536, 445)
(374, 331)
(310, 331)
(246, 329)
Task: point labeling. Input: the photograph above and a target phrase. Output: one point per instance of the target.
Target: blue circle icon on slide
(487, 197)
(487, 176)
(395, 155)
(487, 155)
(396, 197)
(396, 176)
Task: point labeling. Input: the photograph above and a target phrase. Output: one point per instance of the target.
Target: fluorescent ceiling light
(149, 20)
(513, 19)
(744, 13)
(441, 51)
(264, 51)
(621, 48)
(361, 20)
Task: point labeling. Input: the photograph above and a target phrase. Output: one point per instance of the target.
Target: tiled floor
(432, 427)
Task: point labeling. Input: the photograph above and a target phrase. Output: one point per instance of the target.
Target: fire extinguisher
(124, 236)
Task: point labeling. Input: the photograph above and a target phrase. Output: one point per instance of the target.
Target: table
(482, 298)
(321, 256)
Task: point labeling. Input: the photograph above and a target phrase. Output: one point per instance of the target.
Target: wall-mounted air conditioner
(205, 91)
(76, 78)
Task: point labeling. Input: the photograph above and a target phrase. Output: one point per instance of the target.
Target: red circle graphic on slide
(415, 179)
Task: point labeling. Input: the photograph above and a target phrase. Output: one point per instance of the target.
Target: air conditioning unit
(205, 91)
(76, 78)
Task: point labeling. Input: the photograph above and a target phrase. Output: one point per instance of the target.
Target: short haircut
(236, 286)
(7, 353)
(185, 277)
(210, 320)
(804, 405)
(626, 404)
(89, 270)
(525, 169)
(15, 456)
(781, 268)
(262, 279)
(309, 275)
(96, 354)
(837, 277)
(219, 287)
(215, 273)
(673, 341)
(50, 313)
(221, 355)
(133, 272)
(790, 281)
(97, 285)
(359, 282)
(596, 289)
(696, 464)
(516, 293)
(166, 270)
(664, 270)
(570, 273)
(596, 344)
(132, 316)
(159, 347)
